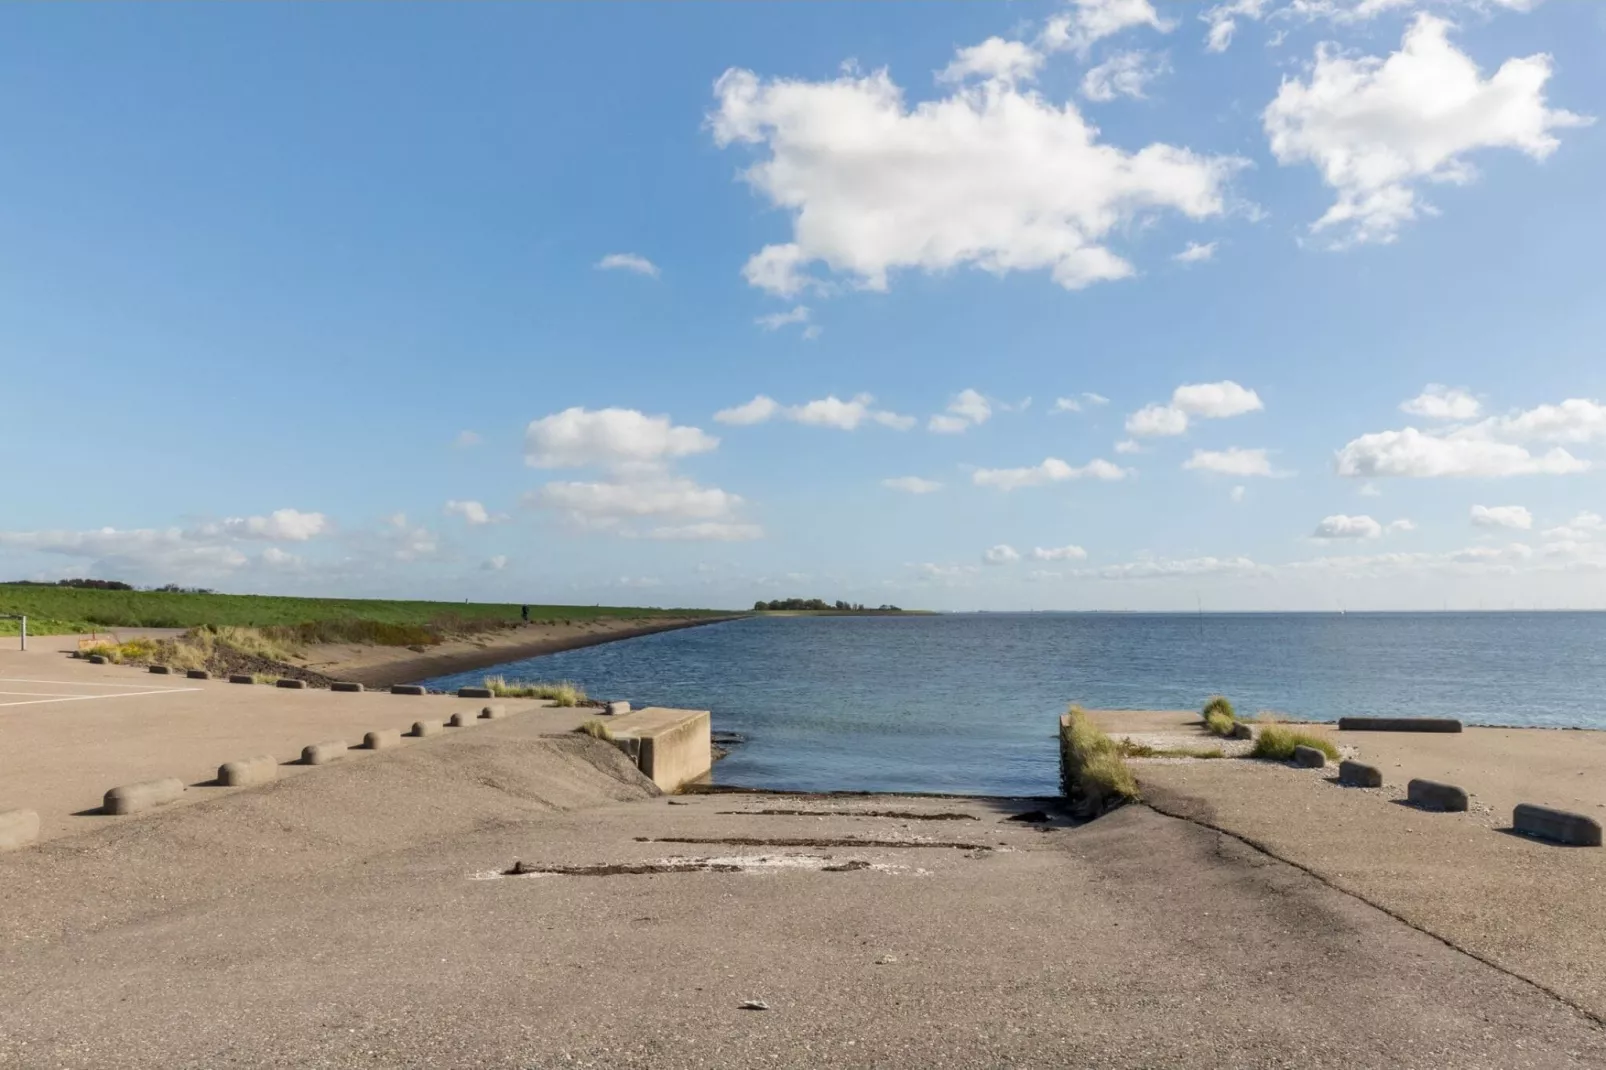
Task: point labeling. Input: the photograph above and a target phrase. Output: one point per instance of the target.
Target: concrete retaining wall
(1398, 724)
(673, 747)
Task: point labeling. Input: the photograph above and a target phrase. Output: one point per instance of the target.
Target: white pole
(25, 631)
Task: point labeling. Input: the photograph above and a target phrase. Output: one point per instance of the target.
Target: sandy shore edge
(416, 667)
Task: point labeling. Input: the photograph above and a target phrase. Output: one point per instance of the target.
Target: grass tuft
(596, 728)
(1277, 742)
(564, 693)
(1219, 716)
(1094, 774)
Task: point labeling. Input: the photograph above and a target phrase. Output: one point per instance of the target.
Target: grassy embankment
(1093, 775)
(266, 635)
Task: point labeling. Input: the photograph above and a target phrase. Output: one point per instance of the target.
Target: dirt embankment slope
(382, 666)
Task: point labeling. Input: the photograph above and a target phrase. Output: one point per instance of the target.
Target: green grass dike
(56, 610)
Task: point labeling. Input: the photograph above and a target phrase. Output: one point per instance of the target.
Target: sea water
(969, 702)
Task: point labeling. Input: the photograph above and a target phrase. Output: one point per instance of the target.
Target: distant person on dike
(524, 612)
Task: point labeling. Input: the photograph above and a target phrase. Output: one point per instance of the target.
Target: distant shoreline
(417, 667)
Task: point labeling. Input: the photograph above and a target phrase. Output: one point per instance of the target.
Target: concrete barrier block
(494, 713)
(293, 685)
(475, 692)
(1556, 825)
(345, 687)
(1431, 795)
(1398, 724)
(1309, 758)
(323, 753)
(461, 719)
(132, 798)
(383, 739)
(241, 678)
(18, 828)
(248, 771)
(160, 670)
(198, 674)
(1360, 775)
(1242, 730)
(427, 728)
(407, 689)
(616, 709)
(97, 659)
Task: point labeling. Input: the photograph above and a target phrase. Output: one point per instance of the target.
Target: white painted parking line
(76, 683)
(90, 698)
(39, 694)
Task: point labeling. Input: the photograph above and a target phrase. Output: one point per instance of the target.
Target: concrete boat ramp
(510, 896)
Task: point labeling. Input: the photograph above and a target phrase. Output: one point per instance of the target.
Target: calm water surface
(969, 703)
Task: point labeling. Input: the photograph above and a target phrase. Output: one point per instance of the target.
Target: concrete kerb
(1359, 775)
(97, 659)
(1557, 826)
(323, 753)
(494, 713)
(346, 687)
(198, 674)
(407, 689)
(160, 670)
(1309, 757)
(383, 739)
(133, 798)
(461, 719)
(1398, 724)
(422, 729)
(241, 678)
(293, 685)
(1431, 795)
(475, 692)
(18, 828)
(1243, 730)
(248, 771)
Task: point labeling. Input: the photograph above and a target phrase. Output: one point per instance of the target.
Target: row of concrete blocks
(1540, 822)
(19, 828)
(300, 685)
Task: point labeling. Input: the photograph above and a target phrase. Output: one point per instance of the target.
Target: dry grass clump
(1277, 742)
(596, 728)
(1094, 775)
(564, 693)
(122, 653)
(1219, 716)
(1129, 749)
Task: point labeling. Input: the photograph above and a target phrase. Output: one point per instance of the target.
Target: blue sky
(476, 301)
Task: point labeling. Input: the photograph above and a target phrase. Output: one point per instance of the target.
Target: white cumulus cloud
(1423, 455)
(1348, 527)
(473, 513)
(1196, 253)
(758, 410)
(287, 525)
(1502, 516)
(1377, 128)
(830, 411)
(1232, 461)
(1090, 21)
(1059, 553)
(967, 409)
(1124, 74)
(912, 484)
(1001, 554)
(633, 262)
(1210, 401)
(994, 58)
(1438, 402)
(1052, 470)
(992, 175)
(578, 437)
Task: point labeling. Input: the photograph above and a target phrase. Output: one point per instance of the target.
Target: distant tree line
(819, 604)
(111, 585)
